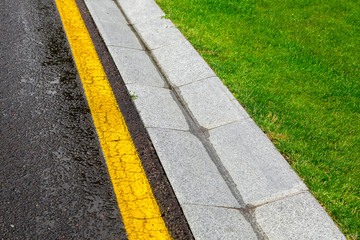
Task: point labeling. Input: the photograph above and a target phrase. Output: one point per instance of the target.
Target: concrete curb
(229, 178)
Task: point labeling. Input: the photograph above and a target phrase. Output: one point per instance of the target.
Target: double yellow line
(139, 210)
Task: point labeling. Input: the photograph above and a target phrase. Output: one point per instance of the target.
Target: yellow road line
(140, 212)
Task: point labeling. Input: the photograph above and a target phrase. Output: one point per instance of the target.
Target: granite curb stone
(193, 176)
(202, 99)
(138, 11)
(157, 107)
(204, 220)
(118, 34)
(105, 11)
(296, 217)
(136, 67)
(182, 64)
(257, 168)
(159, 32)
(153, 25)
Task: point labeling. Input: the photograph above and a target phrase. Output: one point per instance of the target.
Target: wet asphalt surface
(54, 181)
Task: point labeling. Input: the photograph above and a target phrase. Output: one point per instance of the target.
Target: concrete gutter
(229, 179)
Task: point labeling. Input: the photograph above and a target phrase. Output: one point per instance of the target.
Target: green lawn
(295, 67)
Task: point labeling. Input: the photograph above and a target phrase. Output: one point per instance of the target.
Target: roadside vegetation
(295, 66)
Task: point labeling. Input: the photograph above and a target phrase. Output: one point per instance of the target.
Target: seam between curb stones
(247, 210)
(228, 123)
(137, 84)
(172, 129)
(281, 198)
(163, 46)
(201, 79)
(118, 46)
(249, 206)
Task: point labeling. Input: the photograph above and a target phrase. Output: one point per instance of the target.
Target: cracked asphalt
(54, 178)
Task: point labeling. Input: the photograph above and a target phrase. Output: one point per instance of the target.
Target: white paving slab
(297, 217)
(112, 24)
(193, 176)
(202, 99)
(153, 24)
(157, 107)
(257, 168)
(117, 34)
(182, 64)
(141, 10)
(136, 66)
(105, 10)
(217, 223)
(158, 33)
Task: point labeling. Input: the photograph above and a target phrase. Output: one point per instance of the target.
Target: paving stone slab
(141, 10)
(211, 103)
(217, 223)
(153, 24)
(160, 35)
(117, 34)
(257, 168)
(136, 66)
(297, 217)
(182, 64)
(105, 10)
(193, 176)
(157, 107)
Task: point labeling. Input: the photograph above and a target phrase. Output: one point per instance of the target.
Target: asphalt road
(54, 180)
